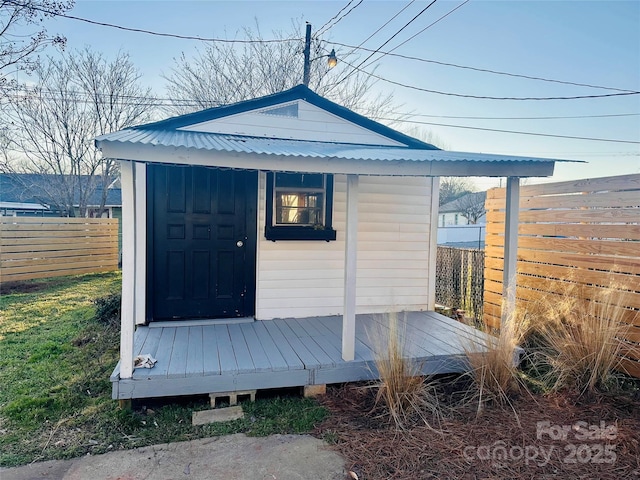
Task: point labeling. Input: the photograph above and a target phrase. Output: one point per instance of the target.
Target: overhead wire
(515, 131)
(326, 27)
(485, 70)
(152, 101)
(421, 31)
(296, 39)
(381, 27)
(148, 32)
(487, 97)
(563, 117)
(387, 41)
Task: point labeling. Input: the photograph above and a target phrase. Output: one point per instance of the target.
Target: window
(299, 206)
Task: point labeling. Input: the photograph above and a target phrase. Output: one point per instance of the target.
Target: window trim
(299, 232)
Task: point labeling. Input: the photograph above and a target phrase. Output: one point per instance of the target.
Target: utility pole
(307, 56)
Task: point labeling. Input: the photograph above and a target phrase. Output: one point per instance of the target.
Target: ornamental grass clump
(402, 391)
(583, 331)
(492, 356)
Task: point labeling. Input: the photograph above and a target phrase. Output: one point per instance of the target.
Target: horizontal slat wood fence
(583, 233)
(42, 247)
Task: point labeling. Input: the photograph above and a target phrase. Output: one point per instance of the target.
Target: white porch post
(127, 322)
(510, 248)
(350, 271)
(140, 210)
(433, 243)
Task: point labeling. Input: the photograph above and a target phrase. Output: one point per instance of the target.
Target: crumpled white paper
(144, 361)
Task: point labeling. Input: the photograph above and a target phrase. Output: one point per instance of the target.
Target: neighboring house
(26, 194)
(458, 211)
(254, 233)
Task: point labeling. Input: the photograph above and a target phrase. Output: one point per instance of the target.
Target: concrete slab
(227, 414)
(232, 457)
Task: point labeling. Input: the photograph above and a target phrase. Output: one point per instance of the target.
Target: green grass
(55, 400)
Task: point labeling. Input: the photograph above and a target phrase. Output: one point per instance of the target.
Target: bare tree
(77, 97)
(454, 187)
(224, 73)
(425, 135)
(22, 35)
(471, 206)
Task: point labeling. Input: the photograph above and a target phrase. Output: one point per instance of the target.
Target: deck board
(200, 359)
(225, 349)
(286, 350)
(275, 357)
(255, 347)
(330, 350)
(210, 351)
(311, 343)
(334, 337)
(139, 339)
(240, 349)
(163, 353)
(152, 339)
(178, 362)
(195, 353)
(303, 353)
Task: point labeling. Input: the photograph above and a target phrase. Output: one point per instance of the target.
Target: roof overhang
(315, 157)
(23, 206)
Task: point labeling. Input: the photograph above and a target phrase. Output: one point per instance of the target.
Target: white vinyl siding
(312, 124)
(305, 278)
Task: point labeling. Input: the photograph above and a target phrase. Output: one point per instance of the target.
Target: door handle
(239, 244)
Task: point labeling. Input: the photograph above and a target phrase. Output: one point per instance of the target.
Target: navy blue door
(202, 247)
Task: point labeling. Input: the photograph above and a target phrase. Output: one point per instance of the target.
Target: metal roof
(295, 148)
(299, 92)
(35, 188)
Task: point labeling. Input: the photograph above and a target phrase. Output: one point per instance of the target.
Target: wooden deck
(279, 353)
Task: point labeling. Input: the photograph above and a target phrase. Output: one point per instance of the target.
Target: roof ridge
(299, 92)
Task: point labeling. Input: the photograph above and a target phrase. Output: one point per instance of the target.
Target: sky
(586, 42)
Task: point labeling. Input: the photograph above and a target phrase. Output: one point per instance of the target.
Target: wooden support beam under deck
(510, 248)
(350, 270)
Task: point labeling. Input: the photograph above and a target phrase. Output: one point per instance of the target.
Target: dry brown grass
(402, 390)
(493, 360)
(583, 337)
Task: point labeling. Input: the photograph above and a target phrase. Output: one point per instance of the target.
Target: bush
(108, 309)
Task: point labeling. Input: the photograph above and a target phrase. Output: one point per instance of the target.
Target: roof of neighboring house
(456, 205)
(27, 188)
(189, 139)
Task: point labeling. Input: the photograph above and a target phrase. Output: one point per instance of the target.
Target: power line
(486, 97)
(148, 32)
(518, 118)
(20, 93)
(380, 28)
(387, 41)
(326, 27)
(514, 131)
(485, 70)
(425, 28)
(153, 101)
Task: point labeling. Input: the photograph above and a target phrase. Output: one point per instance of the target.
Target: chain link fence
(460, 280)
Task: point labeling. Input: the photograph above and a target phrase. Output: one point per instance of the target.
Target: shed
(263, 241)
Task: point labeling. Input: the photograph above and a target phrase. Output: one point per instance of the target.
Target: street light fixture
(332, 60)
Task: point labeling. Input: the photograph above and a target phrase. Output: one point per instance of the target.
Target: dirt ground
(538, 436)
